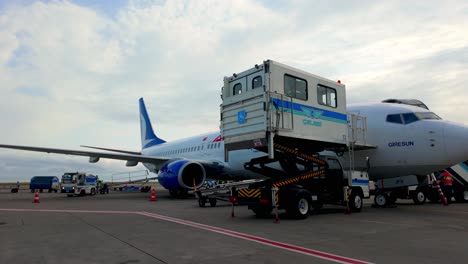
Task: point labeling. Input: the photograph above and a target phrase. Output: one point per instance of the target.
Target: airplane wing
(95, 156)
(113, 150)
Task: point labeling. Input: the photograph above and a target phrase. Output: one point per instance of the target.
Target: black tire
(49, 191)
(179, 194)
(261, 211)
(461, 196)
(419, 197)
(381, 199)
(82, 193)
(69, 195)
(55, 190)
(40, 190)
(202, 202)
(93, 192)
(356, 201)
(300, 206)
(212, 202)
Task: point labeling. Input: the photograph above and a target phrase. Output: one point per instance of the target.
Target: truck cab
(79, 183)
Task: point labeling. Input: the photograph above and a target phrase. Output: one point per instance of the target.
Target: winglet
(148, 138)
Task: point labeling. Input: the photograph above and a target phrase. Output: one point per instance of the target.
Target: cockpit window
(410, 118)
(427, 115)
(396, 118)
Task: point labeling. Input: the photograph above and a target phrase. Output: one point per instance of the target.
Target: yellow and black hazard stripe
(299, 154)
(298, 178)
(250, 193)
(276, 198)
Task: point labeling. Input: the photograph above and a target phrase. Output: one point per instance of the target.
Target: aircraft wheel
(179, 194)
(381, 199)
(419, 197)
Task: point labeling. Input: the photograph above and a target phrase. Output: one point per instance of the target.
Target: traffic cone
(153, 194)
(36, 197)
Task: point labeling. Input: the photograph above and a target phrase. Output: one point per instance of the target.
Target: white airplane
(408, 140)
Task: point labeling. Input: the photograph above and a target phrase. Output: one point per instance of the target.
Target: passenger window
(295, 87)
(410, 118)
(257, 82)
(326, 96)
(394, 119)
(237, 89)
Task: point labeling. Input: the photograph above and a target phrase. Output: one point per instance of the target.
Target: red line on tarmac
(293, 248)
(306, 251)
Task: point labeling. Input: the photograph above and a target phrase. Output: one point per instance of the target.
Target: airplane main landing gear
(179, 194)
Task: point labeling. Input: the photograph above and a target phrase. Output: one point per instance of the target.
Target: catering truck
(79, 183)
(292, 116)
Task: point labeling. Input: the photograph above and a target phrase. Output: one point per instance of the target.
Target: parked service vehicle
(79, 183)
(41, 183)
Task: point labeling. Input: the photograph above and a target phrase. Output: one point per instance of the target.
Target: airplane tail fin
(148, 138)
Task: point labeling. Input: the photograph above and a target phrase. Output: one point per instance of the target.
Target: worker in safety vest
(447, 185)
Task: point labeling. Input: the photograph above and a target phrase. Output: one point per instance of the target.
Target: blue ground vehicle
(41, 183)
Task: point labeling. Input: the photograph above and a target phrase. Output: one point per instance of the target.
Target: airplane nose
(456, 140)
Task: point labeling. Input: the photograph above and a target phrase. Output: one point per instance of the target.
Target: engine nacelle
(181, 174)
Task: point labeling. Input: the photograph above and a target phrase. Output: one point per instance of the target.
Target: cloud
(72, 71)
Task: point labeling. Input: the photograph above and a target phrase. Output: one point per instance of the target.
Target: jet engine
(181, 174)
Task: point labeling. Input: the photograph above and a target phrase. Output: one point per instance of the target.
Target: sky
(71, 72)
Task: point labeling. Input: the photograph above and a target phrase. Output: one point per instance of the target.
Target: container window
(237, 89)
(326, 96)
(295, 87)
(257, 82)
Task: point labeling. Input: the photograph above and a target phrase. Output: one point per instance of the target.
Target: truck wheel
(40, 190)
(93, 192)
(419, 197)
(50, 190)
(356, 201)
(300, 208)
(82, 193)
(262, 211)
(55, 190)
(212, 202)
(381, 199)
(462, 196)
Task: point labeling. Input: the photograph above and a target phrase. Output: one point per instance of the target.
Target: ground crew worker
(447, 185)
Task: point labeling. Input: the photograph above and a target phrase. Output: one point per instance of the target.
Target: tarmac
(127, 228)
